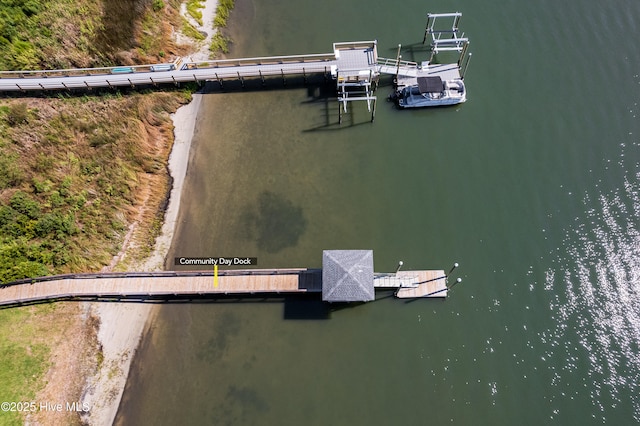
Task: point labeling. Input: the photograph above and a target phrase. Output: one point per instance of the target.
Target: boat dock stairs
(355, 67)
(346, 276)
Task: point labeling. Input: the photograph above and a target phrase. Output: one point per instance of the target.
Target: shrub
(18, 113)
(158, 5)
(23, 203)
(10, 173)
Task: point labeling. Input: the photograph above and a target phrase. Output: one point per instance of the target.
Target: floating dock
(414, 284)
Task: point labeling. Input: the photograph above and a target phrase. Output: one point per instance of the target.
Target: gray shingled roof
(347, 275)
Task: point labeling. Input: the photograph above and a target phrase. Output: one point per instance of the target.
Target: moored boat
(432, 91)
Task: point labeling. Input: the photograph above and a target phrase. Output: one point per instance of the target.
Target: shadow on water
(321, 93)
(306, 308)
(274, 222)
(316, 83)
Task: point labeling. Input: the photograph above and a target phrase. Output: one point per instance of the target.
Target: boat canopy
(430, 84)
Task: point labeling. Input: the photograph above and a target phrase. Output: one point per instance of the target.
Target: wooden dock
(183, 285)
(162, 285)
(414, 284)
(429, 284)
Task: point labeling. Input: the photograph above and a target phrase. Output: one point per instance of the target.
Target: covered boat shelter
(347, 276)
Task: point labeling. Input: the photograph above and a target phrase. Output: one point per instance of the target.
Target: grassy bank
(56, 34)
(30, 341)
(75, 174)
(72, 171)
(220, 41)
(78, 175)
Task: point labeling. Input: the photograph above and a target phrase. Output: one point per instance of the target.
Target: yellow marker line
(215, 275)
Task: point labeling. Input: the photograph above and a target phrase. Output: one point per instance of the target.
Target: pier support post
(426, 30)
(466, 65)
(262, 78)
(458, 280)
(462, 54)
(373, 110)
(304, 75)
(219, 81)
(284, 80)
(241, 79)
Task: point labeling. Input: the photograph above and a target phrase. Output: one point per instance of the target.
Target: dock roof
(347, 276)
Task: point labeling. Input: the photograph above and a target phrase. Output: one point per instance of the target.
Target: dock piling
(466, 66)
(373, 111)
(458, 280)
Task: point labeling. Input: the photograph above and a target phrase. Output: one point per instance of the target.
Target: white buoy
(399, 266)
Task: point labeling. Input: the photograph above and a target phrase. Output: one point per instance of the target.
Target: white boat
(432, 91)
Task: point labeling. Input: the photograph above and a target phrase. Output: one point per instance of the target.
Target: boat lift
(447, 39)
(356, 85)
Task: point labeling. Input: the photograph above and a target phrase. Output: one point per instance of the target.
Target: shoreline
(123, 326)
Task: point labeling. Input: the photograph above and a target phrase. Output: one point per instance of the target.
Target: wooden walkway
(348, 58)
(183, 285)
(140, 286)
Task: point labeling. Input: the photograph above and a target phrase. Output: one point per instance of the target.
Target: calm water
(533, 186)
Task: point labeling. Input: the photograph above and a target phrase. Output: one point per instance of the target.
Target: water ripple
(597, 299)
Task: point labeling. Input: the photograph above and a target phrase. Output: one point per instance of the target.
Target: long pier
(150, 286)
(355, 66)
(347, 59)
(355, 61)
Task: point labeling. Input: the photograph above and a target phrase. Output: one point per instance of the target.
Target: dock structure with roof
(346, 276)
(355, 67)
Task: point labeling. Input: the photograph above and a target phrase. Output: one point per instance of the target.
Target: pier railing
(386, 62)
(263, 60)
(83, 71)
(354, 45)
(170, 274)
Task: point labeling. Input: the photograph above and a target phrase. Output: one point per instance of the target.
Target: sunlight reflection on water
(596, 305)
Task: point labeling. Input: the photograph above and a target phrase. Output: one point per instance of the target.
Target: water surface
(532, 185)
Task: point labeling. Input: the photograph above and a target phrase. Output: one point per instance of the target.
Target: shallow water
(532, 185)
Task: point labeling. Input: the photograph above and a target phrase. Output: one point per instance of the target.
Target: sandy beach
(123, 325)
